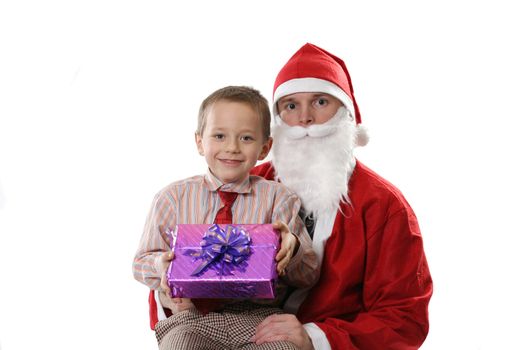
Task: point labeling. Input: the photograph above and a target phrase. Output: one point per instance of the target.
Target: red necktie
(224, 216)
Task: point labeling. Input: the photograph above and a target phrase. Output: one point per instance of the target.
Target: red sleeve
(396, 291)
(387, 289)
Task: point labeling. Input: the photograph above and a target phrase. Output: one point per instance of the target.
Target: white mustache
(316, 130)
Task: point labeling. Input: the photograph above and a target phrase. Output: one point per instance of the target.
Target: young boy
(233, 134)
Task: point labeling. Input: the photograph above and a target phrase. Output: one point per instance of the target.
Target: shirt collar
(214, 184)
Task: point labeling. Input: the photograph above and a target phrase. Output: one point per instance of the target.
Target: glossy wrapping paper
(223, 261)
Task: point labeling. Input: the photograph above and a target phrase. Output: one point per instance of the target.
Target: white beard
(316, 162)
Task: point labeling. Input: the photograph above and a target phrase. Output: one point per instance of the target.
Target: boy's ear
(267, 146)
(198, 142)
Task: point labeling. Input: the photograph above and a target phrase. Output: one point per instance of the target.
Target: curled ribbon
(223, 249)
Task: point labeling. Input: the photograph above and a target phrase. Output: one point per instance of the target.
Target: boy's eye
(218, 136)
(246, 138)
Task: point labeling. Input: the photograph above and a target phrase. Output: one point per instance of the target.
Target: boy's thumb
(277, 224)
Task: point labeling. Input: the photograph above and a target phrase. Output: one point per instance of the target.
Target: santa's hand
(284, 327)
(288, 245)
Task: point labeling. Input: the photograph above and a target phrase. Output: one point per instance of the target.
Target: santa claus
(375, 284)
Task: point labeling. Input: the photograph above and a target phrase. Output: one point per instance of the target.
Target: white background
(98, 104)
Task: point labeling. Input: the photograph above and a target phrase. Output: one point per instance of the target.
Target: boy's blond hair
(242, 94)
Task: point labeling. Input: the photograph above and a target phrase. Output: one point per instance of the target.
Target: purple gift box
(223, 261)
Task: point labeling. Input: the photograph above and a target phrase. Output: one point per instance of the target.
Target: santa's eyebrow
(313, 96)
(286, 100)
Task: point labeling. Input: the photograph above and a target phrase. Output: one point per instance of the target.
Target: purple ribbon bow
(223, 249)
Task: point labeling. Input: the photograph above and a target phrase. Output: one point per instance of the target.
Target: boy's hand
(164, 263)
(288, 246)
(174, 304)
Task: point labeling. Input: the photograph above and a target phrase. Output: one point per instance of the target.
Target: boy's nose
(232, 145)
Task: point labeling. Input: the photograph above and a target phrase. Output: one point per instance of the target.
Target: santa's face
(307, 108)
(316, 160)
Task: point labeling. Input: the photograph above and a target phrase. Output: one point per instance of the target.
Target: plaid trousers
(229, 329)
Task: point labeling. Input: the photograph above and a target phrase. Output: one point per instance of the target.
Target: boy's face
(232, 140)
(307, 108)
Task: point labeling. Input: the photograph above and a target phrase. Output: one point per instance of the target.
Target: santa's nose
(305, 117)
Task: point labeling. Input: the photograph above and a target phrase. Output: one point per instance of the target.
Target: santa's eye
(290, 106)
(321, 102)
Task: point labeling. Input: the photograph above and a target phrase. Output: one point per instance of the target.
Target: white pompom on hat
(312, 69)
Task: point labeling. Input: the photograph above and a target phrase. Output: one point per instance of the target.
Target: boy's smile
(231, 162)
(232, 140)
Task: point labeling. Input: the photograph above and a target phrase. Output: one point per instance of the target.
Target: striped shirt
(196, 201)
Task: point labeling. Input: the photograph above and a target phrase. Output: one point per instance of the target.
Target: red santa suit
(375, 284)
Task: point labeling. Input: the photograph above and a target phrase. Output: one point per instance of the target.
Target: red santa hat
(312, 69)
